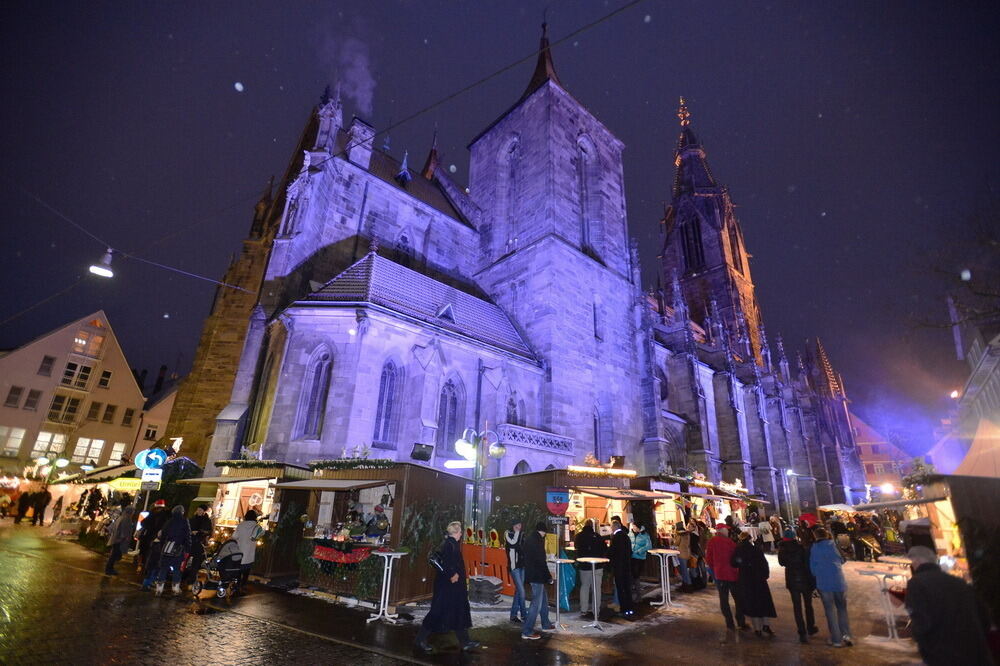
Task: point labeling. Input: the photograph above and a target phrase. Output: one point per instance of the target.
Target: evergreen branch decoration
(247, 463)
(353, 463)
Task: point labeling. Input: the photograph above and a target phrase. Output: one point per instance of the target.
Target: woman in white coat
(246, 535)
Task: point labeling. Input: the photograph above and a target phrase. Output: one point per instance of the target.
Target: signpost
(150, 458)
(151, 478)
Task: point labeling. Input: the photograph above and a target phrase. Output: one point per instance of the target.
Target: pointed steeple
(827, 377)
(693, 172)
(786, 373)
(330, 117)
(765, 349)
(544, 69)
(432, 158)
(678, 303)
(404, 176)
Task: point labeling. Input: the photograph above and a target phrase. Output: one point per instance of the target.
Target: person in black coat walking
(201, 530)
(23, 502)
(175, 543)
(800, 582)
(450, 604)
(40, 502)
(752, 585)
(621, 566)
(536, 574)
(947, 622)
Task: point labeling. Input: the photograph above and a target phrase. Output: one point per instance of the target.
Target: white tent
(983, 458)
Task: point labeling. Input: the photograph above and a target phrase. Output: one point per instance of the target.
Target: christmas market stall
(351, 508)
(242, 485)
(693, 497)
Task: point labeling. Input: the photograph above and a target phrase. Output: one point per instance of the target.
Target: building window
(447, 422)
(522, 467)
(109, 414)
(876, 449)
(734, 247)
(10, 440)
(45, 369)
(31, 402)
(870, 469)
(151, 433)
(94, 411)
(14, 396)
(63, 409)
(87, 450)
(315, 404)
(117, 452)
(384, 421)
(598, 324)
(87, 343)
(879, 468)
(128, 416)
(76, 375)
(48, 443)
(694, 253)
(105, 380)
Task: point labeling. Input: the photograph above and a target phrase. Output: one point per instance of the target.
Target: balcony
(513, 435)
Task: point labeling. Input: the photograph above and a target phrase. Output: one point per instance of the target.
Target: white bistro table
(559, 562)
(895, 561)
(383, 603)
(890, 614)
(593, 562)
(664, 555)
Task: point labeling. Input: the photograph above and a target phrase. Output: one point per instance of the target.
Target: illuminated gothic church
(392, 306)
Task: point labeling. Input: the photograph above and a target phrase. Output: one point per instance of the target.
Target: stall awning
(626, 493)
(330, 484)
(838, 507)
(875, 506)
(221, 479)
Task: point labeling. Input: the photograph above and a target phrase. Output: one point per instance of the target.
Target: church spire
(330, 117)
(693, 172)
(544, 69)
(827, 376)
(432, 158)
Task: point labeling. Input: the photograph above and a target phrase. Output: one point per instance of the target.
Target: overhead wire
(340, 153)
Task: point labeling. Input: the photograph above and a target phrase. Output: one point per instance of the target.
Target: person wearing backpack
(175, 543)
(246, 535)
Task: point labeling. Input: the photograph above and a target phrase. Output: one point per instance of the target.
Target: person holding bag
(450, 609)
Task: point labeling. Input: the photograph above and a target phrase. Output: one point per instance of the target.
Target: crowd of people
(30, 505)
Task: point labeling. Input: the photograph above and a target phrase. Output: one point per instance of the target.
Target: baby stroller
(221, 572)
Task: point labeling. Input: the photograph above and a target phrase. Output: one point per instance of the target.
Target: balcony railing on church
(515, 435)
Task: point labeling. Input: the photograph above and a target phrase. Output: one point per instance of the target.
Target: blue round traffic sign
(150, 458)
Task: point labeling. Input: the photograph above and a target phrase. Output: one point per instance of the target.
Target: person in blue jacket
(826, 564)
(641, 543)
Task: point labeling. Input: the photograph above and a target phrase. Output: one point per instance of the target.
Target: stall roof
(222, 479)
(874, 506)
(838, 507)
(626, 493)
(330, 484)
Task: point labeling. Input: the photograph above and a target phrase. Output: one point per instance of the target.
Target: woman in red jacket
(719, 555)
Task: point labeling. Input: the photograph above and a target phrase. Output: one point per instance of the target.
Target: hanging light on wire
(104, 268)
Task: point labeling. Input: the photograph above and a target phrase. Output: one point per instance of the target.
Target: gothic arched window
(404, 250)
(512, 181)
(597, 436)
(313, 406)
(664, 387)
(448, 416)
(385, 413)
(734, 247)
(522, 467)
(588, 186)
(694, 253)
(512, 410)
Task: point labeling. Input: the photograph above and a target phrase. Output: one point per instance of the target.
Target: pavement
(56, 607)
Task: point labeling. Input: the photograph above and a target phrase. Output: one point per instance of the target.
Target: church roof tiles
(382, 282)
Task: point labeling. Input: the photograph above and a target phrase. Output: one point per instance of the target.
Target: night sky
(855, 139)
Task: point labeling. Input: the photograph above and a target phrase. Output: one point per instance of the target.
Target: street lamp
(103, 268)
(474, 447)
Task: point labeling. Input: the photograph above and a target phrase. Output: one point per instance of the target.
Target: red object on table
(357, 554)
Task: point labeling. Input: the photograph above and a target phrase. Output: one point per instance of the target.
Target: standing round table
(890, 614)
(559, 562)
(593, 562)
(388, 557)
(664, 554)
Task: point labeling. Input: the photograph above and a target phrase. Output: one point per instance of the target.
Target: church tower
(703, 248)
(555, 253)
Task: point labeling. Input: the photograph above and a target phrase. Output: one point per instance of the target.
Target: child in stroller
(221, 572)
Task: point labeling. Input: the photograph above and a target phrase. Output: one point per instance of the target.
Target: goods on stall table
(352, 556)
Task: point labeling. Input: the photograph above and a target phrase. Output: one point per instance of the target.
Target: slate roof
(382, 282)
(385, 167)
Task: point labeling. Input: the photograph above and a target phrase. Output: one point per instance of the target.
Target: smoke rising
(350, 64)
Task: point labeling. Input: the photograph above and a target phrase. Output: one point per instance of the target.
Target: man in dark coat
(946, 619)
(754, 594)
(536, 574)
(450, 604)
(150, 527)
(799, 581)
(621, 565)
(40, 502)
(201, 530)
(23, 502)
(590, 544)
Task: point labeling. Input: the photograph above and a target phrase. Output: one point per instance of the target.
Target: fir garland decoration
(353, 463)
(244, 463)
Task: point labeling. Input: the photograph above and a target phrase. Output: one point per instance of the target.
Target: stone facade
(398, 308)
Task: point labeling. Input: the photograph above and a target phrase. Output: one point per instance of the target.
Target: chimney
(159, 379)
(359, 143)
(140, 378)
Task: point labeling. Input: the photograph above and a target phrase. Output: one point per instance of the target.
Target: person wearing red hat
(719, 555)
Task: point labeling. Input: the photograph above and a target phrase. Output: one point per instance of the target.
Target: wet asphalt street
(57, 608)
